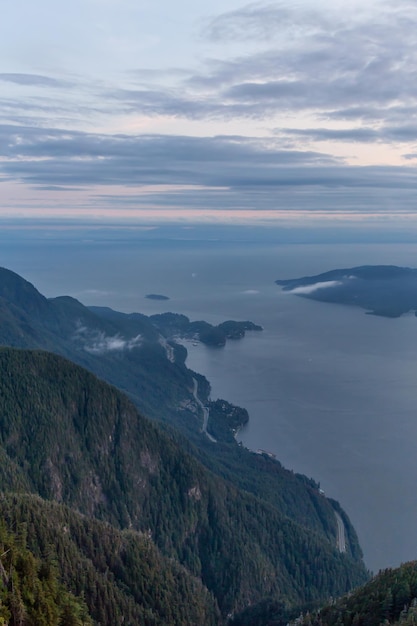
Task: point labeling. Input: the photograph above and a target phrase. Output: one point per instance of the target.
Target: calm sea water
(329, 389)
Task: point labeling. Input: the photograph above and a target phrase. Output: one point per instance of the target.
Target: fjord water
(331, 391)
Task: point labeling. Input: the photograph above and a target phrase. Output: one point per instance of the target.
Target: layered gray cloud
(356, 64)
(293, 75)
(33, 80)
(231, 172)
(351, 65)
(253, 21)
(403, 133)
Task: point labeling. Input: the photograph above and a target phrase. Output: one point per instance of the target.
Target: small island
(385, 290)
(156, 296)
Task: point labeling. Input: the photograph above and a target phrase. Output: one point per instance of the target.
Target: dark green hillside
(294, 495)
(389, 598)
(78, 441)
(30, 591)
(121, 575)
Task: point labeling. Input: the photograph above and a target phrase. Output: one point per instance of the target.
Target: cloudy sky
(150, 112)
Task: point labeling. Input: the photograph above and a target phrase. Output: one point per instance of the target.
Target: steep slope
(121, 575)
(30, 593)
(128, 351)
(22, 294)
(389, 598)
(76, 440)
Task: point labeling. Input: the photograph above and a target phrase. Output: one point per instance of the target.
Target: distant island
(385, 290)
(156, 296)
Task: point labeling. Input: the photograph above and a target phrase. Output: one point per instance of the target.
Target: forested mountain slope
(30, 591)
(389, 598)
(121, 575)
(69, 437)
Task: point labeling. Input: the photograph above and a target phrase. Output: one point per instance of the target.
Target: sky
(276, 113)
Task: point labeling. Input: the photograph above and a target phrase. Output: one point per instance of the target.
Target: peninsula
(385, 290)
(176, 325)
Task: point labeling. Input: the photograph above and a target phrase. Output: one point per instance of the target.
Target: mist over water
(330, 390)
